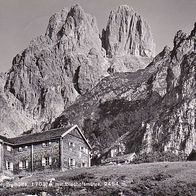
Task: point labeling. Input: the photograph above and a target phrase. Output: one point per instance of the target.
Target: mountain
(109, 84)
(127, 33)
(56, 68)
(152, 109)
(127, 40)
(13, 118)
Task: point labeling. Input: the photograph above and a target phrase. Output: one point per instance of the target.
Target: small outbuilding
(192, 155)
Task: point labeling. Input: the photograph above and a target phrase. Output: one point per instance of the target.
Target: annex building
(56, 149)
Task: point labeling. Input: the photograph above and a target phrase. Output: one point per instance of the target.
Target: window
(9, 165)
(72, 162)
(26, 147)
(20, 149)
(46, 161)
(83, 164)
(9, 148)
(24, 164)
(71, 144)
(43, 161)
(81, 148)
(43, 144)
(85, 150)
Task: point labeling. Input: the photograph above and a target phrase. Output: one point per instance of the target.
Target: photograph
(97, 97)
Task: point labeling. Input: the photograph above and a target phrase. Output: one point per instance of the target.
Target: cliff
(149, 110)
(111, 86)
(56, 68)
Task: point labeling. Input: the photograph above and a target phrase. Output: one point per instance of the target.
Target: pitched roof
(125, 157)
(72, 128)
(38, 137)
(43, 136)
(4, 139)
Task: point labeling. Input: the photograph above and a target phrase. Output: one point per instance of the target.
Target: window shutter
(11, 166)
(74, 162)
(6, 164)
(50, 160)
(43, 161)
(20, 165)
(27, 163)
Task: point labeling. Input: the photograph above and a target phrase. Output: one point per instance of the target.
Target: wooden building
(56, 149)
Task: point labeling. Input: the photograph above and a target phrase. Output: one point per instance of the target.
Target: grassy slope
(177, 178)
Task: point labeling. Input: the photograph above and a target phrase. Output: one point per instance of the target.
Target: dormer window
(43, 144)
(9, 148)
(20, 149)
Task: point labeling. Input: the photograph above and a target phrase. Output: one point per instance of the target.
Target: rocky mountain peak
(148, 110)
(57, 67)
(69, 60)
(127, 33)
(193, 32)
(77, 13)
(56, 22)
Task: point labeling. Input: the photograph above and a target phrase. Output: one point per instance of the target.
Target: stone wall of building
(50, 150)
(75, 148)
(8, 155)
(22, 153)
(32, 154)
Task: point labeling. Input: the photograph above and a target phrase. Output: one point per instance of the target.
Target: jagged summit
(124, 9)
(58, 66)
(127, 33)
(69, 60)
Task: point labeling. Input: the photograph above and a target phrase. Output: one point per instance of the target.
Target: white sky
(22, 20)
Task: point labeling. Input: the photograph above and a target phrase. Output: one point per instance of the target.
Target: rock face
(127, 40)
(12, 116)
(61, 65)
(56, 68)
(149, 110)
(71, 70)
(127, 33)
